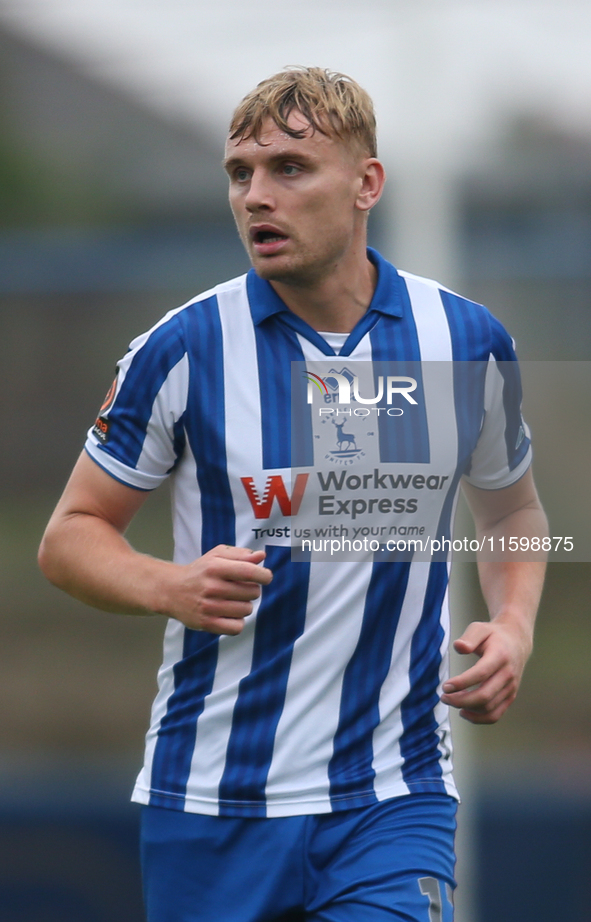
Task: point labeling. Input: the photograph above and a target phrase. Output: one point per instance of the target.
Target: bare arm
(84, 552)
(512, 590)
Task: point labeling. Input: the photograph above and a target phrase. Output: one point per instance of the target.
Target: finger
(463, 647)
(252, 573)
(490, 716)
(230, 626)
(480, 672)
(486, 697)
(491, 683)
(230, 552)
(237, 553)
(215, 609)
(236, 570)
(216, 593)
(230, 592)
(473, 637)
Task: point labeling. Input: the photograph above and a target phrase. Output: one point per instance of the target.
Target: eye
(241, 174)
(290, 169)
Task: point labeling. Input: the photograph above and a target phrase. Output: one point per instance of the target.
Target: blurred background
(112, 211)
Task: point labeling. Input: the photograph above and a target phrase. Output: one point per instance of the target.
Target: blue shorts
(390, 861)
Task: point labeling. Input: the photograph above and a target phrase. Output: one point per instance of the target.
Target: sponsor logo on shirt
(275, 489)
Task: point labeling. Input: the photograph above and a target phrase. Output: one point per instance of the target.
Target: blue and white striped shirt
(329, 698)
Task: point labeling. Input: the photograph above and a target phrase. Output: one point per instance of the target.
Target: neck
(337, 301)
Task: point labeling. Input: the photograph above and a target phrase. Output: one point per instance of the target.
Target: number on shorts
(431, 887)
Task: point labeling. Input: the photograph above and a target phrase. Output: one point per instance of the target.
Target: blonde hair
(332, 103)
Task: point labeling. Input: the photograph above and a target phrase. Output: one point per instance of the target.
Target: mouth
(267, 240)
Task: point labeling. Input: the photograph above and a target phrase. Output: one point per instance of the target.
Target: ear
(373, 177)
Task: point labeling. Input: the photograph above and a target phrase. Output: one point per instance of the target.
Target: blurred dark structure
(108, 218)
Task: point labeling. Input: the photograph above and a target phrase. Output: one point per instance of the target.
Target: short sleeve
(503, 452)
(138, 436)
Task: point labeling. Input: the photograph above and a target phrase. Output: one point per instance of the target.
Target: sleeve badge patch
(102, 424)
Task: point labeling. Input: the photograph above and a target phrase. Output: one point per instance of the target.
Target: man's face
(296, 202)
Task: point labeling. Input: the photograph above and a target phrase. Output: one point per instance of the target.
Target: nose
(259, 196)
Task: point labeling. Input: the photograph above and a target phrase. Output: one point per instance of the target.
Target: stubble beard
(296, 276)
(305, 271)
